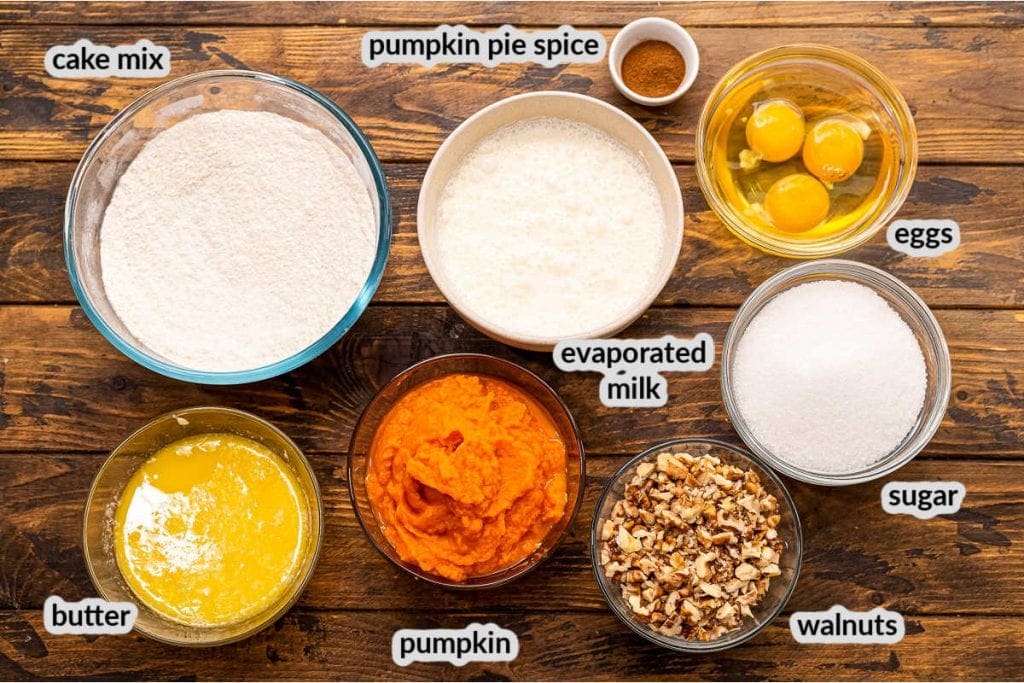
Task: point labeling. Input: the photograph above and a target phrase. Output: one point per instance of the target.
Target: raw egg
(834, 149)
(775, 130)
(796, 203)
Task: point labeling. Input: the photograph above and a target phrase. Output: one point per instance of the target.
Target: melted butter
(211, 530)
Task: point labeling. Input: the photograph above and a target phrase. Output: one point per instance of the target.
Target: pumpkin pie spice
(653, 68)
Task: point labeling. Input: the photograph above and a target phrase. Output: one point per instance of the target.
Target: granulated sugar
(550, 228)
(236, 239)
(829, 377)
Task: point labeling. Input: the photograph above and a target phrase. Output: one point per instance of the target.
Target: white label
(839, 625)
(631, 366)
(460, 45)
(475, 643)
(923, 237)
(87, 60)
(89, 617)
(923, 499)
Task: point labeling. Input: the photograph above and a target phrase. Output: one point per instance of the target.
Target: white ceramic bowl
(574, 107)
(653, 28)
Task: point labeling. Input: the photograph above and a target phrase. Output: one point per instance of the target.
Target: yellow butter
(211, 530)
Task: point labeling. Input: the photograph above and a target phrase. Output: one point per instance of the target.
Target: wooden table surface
(67, 397)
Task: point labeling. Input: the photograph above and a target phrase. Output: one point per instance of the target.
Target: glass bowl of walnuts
(696, 545)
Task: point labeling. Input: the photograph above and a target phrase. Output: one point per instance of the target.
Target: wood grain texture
(898, 562)
(65, 388)
(67, 397)
(566, 646)
(967, 109)
(921, 14)
(714, 269)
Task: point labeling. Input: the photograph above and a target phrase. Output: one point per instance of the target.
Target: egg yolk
(833, 150)
(775, 130)
(796, 203)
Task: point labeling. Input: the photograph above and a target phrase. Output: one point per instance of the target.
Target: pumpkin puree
(467, 474)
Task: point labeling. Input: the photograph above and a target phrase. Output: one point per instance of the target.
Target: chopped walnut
(693, 544)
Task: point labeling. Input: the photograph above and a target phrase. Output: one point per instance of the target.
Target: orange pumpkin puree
(467, 474)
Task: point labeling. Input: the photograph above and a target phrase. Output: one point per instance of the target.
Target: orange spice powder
(467, 474)
(653, 68)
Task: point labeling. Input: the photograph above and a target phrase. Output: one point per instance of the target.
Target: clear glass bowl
(779, 589)
(116, 146)
(862, 84)
(913, 311)
(98, 528)
(478, 364)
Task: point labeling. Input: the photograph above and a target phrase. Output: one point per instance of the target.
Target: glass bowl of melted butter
(805, 151)
(209, 520)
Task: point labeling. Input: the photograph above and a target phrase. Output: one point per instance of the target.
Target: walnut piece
(693, 544)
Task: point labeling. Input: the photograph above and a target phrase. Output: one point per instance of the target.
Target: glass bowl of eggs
(805, 151)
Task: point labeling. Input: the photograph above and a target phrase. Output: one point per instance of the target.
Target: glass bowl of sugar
(227, 227)
(835, 372)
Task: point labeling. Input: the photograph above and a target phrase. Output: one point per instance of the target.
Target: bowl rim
(299, 586)
(692, 61)
(673, 233)
(569, 516)
(329, 338)
(875, 279)
(889, 97)
(679, 644)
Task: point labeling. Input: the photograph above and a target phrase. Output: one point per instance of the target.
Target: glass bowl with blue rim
(116, 146)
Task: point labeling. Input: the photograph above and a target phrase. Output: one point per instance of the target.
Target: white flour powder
(236, 239)
(829, 377)
(550, 228)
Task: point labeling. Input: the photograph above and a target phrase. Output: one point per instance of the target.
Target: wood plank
(962, 84)
(540, 13)
(64, 388)
(66, 396)
(714, 269)
(351, 646)
(913, 566)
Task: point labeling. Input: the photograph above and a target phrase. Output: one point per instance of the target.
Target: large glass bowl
(477, 364)
(117, 145)
(100, 509)
(913, 311)
(779, 589)
(813, 67)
